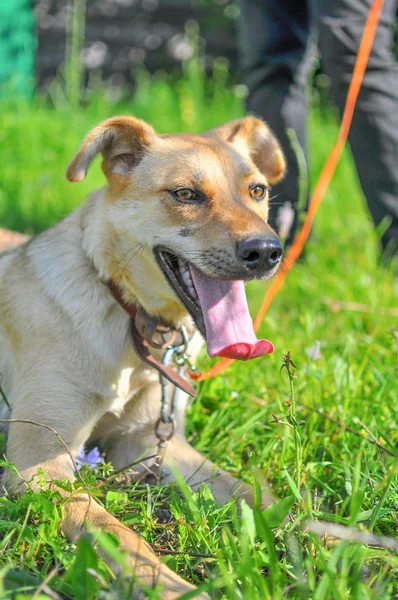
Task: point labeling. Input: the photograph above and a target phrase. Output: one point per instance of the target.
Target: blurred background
(67, 64)
(108, 41)
(112, 38)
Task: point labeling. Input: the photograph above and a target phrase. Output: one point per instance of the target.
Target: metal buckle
(157, 334)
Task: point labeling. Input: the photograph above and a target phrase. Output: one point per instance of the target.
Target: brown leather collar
(146, 331)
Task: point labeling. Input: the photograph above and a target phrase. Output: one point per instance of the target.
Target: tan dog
(179, 227)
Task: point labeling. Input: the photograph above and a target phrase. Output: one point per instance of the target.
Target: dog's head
(194, 209)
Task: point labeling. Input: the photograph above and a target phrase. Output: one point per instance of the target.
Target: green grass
(318, 455)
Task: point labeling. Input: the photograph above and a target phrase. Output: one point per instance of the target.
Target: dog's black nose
(259, 253)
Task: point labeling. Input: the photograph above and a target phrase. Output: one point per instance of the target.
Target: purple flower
(91, 458)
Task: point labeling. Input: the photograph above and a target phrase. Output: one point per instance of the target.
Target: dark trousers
(278, 39)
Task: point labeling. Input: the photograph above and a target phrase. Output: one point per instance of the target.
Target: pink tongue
(229, 328)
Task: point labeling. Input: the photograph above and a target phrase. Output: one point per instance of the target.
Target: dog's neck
(102, 247)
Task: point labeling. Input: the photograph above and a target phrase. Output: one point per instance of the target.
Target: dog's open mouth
(218, 307)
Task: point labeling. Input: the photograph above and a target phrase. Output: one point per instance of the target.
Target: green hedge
(17, 47)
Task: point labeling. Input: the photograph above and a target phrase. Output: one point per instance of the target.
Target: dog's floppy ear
(255, 136)
(122, 141)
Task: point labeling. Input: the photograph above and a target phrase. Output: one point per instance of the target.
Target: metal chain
(166, 424)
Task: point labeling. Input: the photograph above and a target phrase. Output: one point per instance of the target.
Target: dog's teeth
(193, 293)
(186, 279)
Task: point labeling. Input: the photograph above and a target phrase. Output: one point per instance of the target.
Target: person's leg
(374, 132)
(275, 59)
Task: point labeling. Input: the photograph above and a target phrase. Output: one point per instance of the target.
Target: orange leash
(324, 179)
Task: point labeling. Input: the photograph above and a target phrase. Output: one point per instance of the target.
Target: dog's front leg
(131, 437)
(144, 564)
(40, 402)
(32, 447)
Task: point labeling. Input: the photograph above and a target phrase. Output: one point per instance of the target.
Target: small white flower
(314, 353)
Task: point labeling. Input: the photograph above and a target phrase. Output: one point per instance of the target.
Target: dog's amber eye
(258, 192)
(185, 195)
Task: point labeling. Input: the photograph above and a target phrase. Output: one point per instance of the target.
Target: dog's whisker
(127, 199)
(131, 249)
(125, 267)
(122, 263)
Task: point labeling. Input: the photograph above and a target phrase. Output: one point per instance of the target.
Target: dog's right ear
(122, 141)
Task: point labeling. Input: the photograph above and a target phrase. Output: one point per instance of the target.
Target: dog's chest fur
(53, 307)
